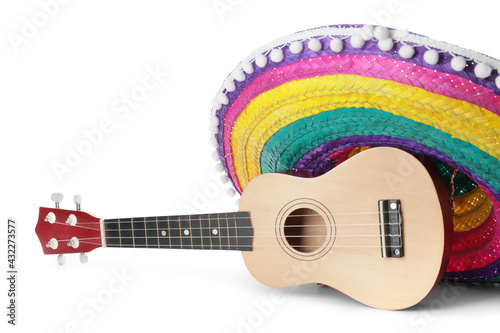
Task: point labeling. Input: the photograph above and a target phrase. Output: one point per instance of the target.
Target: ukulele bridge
(391, 231)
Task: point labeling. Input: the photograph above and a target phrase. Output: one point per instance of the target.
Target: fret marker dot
(214, 231)
(393, 205)
(186, 232)
(163, 233)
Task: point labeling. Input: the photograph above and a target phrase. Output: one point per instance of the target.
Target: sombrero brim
(295, 102)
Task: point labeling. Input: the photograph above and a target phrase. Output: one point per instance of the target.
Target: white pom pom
(222, 98)
(386, 44)
(314, 44)
(214, 121)
(213, 129)
(224, 179)
(231, 192)
(215, 156)
(296, 47)
(337, 45)
(367, 32)
(261, 60)
(277, 55)
(458, 63)
(215, 104)
(229, 85)
(482, 70)
(239, 75)
(382, 33)
(357, 41)
(431, 57)
(213, 142)
(219, 167)
(247, 67)
(497, 82)
(406, 51)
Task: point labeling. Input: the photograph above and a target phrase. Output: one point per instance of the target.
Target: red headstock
(67, 231)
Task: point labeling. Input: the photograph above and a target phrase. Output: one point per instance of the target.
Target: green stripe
(495, 279)
(462, 183)
(489, 281)
(291, 142)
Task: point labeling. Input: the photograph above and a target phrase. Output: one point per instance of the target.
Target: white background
(65, 78)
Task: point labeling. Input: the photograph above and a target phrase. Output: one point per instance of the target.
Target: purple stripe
(487, 272)
(317, 161)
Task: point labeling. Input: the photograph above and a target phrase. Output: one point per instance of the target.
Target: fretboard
(225, 231)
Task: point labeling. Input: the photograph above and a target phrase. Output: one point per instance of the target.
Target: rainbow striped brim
(309, 100)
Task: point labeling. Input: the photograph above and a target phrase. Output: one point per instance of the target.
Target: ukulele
(376, 227)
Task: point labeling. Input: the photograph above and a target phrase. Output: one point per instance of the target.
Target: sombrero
(312, 99)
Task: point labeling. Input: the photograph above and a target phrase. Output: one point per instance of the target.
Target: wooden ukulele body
(326, 229)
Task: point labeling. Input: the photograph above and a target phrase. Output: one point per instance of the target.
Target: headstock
(67, 231)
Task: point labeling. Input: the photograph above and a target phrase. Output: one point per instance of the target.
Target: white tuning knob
(52, 243)
(74, 242)
(84, 258)
(61, 259)
(57, 198)
(71, 220)
(51, 217)
(78, 201)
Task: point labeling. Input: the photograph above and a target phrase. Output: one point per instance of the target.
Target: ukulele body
(326, 229)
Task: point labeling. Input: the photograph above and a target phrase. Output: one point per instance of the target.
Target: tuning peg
(78, 201)
(84, 258)
(74, 242)
(52, 243)
(57, 198)
(61, 259)
(51, 217)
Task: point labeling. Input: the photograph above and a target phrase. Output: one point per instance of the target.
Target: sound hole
(305, 230)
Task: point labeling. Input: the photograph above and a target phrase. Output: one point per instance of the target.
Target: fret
(225, 231)
(168, 232)
(174, 229)
(164, 233)
(213, 221)
(219, 231)
(205, 232)
(138, 232)
(185, 232)
(132, 229)
(233, 235)
(145, 231)
(196, 232)
(224, 240)
(152, 233)
(126, 233)
(112, 231)
(190, 231)
(119, 232)
(157, 230)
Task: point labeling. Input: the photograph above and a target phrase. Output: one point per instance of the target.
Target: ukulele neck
(224, 231)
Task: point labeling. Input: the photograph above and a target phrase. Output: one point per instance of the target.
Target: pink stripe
(483, 254)
(470, 240)
(449, 85)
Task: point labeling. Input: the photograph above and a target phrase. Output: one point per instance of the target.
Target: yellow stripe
(357, 150)
(471, 210)
(294, 100)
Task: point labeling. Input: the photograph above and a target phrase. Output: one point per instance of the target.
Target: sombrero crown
(311, 99)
